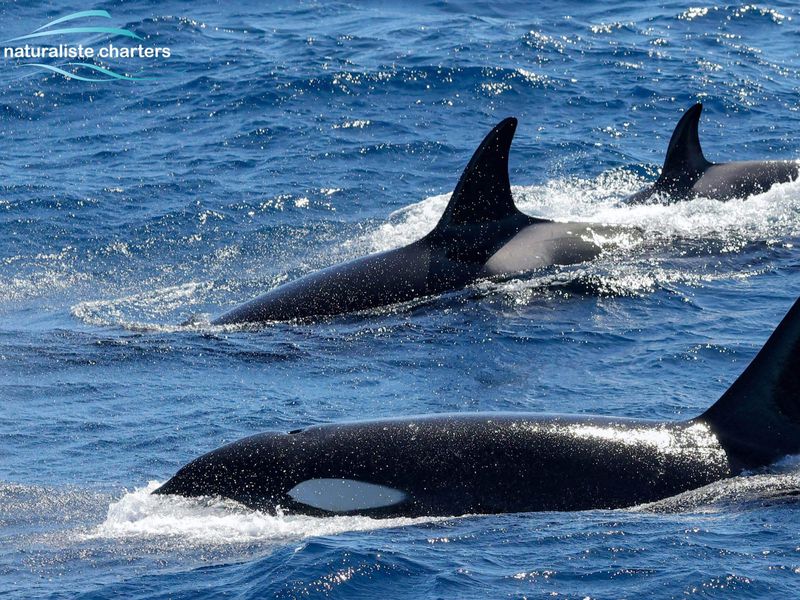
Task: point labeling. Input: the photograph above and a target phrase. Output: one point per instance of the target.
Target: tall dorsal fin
(685, 162)
(758, 418)
(483, 193)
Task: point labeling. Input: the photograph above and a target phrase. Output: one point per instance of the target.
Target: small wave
(33, 503)
(140, 311)
(140, 514)
(734, 13)
(31, 276)
(780, 484)
(490, 81)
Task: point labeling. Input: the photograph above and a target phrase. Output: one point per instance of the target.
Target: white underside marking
(344, 495)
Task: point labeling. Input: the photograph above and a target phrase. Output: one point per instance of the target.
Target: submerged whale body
(481, 235)
(687, 174)
(446, 465)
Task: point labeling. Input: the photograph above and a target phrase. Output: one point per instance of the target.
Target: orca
(481, 235)
(456, 464)
(687, 174)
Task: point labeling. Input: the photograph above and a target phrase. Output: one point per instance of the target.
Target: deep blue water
(281, 138)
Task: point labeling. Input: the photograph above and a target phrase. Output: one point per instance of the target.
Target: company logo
(85, 58)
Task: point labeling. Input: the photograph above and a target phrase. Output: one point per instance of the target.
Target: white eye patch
(345, 495)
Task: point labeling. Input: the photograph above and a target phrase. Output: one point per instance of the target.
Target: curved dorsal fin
(685, 162)
(483, 193)
(758, 418)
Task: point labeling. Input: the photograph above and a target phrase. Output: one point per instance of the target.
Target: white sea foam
(140, 514)
(771, 215)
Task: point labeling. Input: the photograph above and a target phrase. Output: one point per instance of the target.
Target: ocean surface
(279, 138)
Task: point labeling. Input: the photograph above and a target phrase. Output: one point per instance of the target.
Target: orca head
(276, 471)
(255, 471)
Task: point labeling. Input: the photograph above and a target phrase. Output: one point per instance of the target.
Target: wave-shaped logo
(111, 74)
(80, 70)
(38, 33)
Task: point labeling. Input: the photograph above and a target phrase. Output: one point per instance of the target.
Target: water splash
(140, 514)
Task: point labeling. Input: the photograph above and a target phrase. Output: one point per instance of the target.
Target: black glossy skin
(687, 174)
(480, 235)
(423, 268)
(376, 280)
(467, 464)
(444, 465)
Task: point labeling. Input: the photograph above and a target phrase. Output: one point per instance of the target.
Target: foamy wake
(772, 215)
(216, 521)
